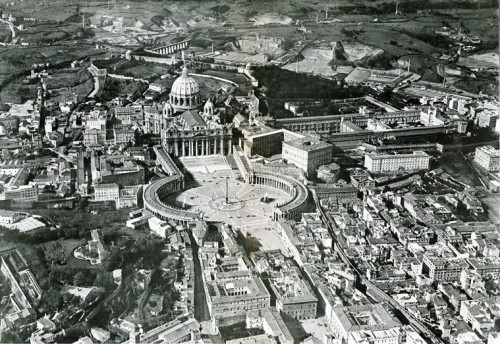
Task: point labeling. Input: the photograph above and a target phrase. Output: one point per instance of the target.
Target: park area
(135, 252)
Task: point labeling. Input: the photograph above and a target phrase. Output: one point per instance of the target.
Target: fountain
(265, 199)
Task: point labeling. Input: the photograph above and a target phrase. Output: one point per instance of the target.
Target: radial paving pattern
(245, 207)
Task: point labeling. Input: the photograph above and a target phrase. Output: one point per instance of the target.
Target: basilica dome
(185, 92)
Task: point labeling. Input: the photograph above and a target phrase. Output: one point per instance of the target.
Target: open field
(484, 60)
(455, 164)
(17, 62)
(407, 37)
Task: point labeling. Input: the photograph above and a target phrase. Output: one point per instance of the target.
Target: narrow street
(201, 312)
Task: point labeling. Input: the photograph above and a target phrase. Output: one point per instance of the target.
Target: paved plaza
(245, 210)
(318, 328)
(245, 206)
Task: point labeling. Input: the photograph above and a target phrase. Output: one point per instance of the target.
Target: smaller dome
(209, 105)
(168, 109)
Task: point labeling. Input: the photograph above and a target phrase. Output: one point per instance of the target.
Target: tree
(79, 278)
(55, 253)
(50, 301)
(497, 324)
(104, 279)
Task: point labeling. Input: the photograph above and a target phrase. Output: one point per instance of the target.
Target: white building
(388, 163)
(488, 158)
(487, 118)
(107, 192)
(159, 227)
(93, 137)
(477, 314)
(49, 124)
(24, 193)
(7, 216)
(96, 120)
(307, 153)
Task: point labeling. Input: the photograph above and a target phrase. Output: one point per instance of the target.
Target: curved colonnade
(159, 190)
(291, 209)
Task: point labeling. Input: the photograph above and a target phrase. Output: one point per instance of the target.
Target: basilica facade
(186, 126)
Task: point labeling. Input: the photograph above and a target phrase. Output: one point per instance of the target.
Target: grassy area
(455, 164)
(144, 70)
(116, 87)
(492, 201)
(250, 244)
(295, 327)
(238, 330)
(67, 77)
(61, 251)
(16, 63)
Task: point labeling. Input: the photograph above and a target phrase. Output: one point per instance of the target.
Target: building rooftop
(106, 186)
(192, 119)
(259, 339)
(365, 317)
(274, 321)
(399, 156)
(490, 150)
(7, 213)
(308, 144)
(222, 292)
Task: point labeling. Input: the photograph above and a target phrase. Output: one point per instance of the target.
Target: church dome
(185, 92)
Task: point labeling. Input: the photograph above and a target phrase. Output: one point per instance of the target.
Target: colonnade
(199, 146)
(274, 183)
(159, 190)
(292, 208)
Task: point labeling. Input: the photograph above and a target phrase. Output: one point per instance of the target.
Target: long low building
(325, 191)
(166, 162)
(393, 162)
(333, 123)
